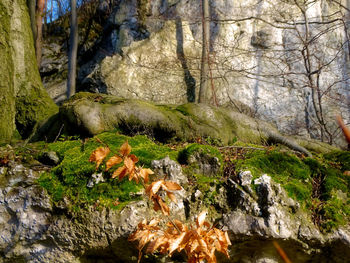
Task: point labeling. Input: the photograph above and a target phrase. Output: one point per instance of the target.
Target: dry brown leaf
(120, 172)
(175, 244)
(134, 158)
(113, 161)
(160, 205)
(144, 174)
(129, 163)
(161, 241)
(116, 202)
(346, 130)
(347, 173)
(172, 197)
(201, 218)
(125, 149)
(172, 186)
(99, 155)
(153, 188)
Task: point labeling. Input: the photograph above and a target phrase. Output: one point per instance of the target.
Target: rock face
(35, 230)
(32, 230)
(271, 214)
(152, 51)
(24, 102)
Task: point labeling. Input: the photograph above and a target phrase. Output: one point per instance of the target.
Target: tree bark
(24, 103)
(204, 80)
(31, 7)
(73, 48)
(39, 30)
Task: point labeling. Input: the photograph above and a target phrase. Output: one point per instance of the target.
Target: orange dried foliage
(129, 165)
(199, 243)
(114, 160)
(99, 155)
(125, 149)
(169, 187)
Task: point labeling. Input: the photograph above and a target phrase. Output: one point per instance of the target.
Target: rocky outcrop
(152, 51)
(269, 215)
(35, 230)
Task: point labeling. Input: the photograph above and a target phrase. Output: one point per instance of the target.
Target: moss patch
(284, 168)
(70, 178)
(203, 149)
(309, 181)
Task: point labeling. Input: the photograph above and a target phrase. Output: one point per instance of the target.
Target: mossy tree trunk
(24, 103)
(7, 95)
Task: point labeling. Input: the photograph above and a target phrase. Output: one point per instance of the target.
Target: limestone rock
(35, 230)
(49, 158)
(169, 168)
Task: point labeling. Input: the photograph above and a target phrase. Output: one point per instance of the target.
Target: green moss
(296, 176)
(335, 212)
(185, 154)
(70, 178)
(284, 168)
(276, 163)
(340, 158)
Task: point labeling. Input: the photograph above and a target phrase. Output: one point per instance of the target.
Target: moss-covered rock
(203, 159)
(90, 114)
(318, 183)
(70, 178)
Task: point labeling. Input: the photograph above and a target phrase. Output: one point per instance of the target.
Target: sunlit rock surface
(35, 230)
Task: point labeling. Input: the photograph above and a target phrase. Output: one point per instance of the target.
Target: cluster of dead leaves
(136, 173)
(199, 242)
(169, 187)
(129, 163)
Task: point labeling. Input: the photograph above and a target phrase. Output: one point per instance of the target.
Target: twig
(59, 132)
(242, 147)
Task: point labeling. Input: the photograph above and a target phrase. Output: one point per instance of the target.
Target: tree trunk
(31, 7)
(24, 103)
(73, 48)
(7, 94)
(59, 6)
(39, 30)
(204, 81)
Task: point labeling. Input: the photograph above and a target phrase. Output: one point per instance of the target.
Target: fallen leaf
(113, 161)
(125, 149)
(99, 155)
(120, 172)
(201, 218)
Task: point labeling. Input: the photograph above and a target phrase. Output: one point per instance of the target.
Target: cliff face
(287, 63)
(23, 100)
(73, 213)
